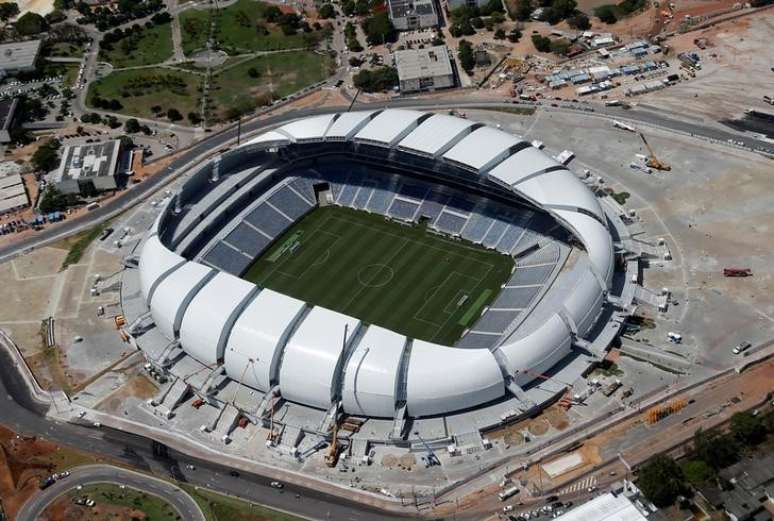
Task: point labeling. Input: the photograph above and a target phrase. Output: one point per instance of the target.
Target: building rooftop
(423, 63)
(402, 8)
(19, 55)
(88, 161)
(12, 192)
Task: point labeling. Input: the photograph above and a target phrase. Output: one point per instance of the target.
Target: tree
(53, 200)
(465, 55)
(661, 480)
(379, 29)
(477, 22)
(514, 36)
(31, 23)
(497, 17)
(564, 8)
(174, 115)
(716, 449)
(747, 428)
(541, 43)
(606, 13)
(161, 18)
(523, 10)
(46, 157)
(327, 11)
(376, 80)
(272, 14)
(560, 46)
(499, 34)
(348, 8)
(8, 10)
(132, 126)
(579, 21)
(194, 118)
(698, 472)
(253, 72)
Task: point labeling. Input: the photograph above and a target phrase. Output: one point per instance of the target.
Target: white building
(424, 69)
(87, 167)
(18, 57)
(409, 15)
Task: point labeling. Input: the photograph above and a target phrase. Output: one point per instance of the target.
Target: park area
(245, 26)
(240, 88)
(402, 277)
(145, 46)
(150, 93)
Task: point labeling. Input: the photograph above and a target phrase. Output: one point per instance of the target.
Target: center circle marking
(375, 275)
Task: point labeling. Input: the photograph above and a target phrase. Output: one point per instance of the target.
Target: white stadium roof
(436, 133)
(257, 336)
(311, 355)
(267, 338)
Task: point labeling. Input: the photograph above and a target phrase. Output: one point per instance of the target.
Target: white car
(741, 348)
(276, 484)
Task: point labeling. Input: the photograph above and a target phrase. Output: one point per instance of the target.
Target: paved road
(184, 504)
(25, 416)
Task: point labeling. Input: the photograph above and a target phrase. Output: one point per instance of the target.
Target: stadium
(396, 266)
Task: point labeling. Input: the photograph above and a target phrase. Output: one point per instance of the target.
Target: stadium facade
(465, 180)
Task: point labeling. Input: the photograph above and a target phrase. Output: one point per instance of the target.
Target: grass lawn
(108, 494)
(140, 89)
(65, 50)
(234, 90)
(237, 29)
(148, 47)
(217, 507)
(404, 278)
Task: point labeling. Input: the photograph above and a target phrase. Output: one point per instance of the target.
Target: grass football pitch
(404, 278)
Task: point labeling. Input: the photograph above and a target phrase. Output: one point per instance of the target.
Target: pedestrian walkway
(579, 486)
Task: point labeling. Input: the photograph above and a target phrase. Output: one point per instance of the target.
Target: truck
(737, 272)
(508, 492)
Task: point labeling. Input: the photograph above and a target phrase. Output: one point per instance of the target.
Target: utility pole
(239, 130)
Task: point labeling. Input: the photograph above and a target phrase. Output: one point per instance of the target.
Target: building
(454, 4)
(88, 168)
(13, 194)
(609, 507)
(16, 57)
(424, 69)
(408, 15)
(7, 112)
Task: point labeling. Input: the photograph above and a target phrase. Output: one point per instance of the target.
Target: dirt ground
(735, 71)
(63, 509)
(24, 461)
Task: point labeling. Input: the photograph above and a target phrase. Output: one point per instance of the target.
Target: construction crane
(332, 457)
(653, 161)
(430, 458)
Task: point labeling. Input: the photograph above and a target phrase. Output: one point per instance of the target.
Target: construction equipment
(652, 161)
(332, 456)
(737, 272)
(660, 412)
(430, 458)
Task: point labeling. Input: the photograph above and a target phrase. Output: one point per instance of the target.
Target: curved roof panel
(369, 378)
(311, 356)
(523, 163)
(171, 297)
(534, 349)
(257, 336)
(155, 260)
(481, 147)
(389, 126)
(269, 137)
(561, 188)
(207, 316)
(435, 133)
(441, 379)
(348, 123)
(596, 238)
(309, 128)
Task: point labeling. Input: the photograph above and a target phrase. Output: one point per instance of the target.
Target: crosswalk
(590, 481)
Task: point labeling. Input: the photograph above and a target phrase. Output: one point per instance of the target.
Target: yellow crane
(653, 161)
(332, 457)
